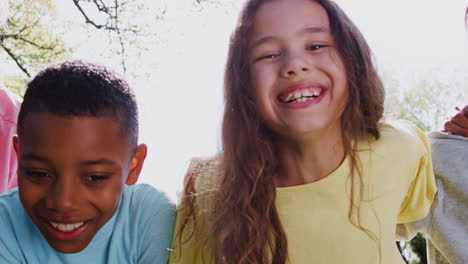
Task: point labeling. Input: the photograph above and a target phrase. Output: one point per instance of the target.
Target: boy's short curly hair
(81, 89)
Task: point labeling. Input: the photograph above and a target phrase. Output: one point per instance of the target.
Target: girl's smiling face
(299, 79)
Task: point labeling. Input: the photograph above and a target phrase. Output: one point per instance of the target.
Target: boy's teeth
(66, 227)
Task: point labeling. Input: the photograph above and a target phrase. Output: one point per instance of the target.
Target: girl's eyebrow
(317, 29)
(261, 40)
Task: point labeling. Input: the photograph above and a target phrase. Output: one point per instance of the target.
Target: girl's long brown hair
(246, 228)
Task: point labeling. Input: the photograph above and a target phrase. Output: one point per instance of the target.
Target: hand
(458, 124)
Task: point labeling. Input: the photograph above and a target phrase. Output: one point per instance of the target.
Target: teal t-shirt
(139, 232)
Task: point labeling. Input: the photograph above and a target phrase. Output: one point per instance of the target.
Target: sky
(178, 75)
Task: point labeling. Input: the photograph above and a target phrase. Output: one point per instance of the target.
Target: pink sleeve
(9, 108)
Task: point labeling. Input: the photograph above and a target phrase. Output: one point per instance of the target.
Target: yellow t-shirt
(399, 187)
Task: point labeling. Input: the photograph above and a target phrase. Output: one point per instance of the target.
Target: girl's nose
(293, 66)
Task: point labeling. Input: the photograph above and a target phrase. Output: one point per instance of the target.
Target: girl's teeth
(297, 94)
(306, 93)
(301, 96)
(66, 227)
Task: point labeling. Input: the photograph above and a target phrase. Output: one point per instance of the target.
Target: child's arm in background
(458, 124)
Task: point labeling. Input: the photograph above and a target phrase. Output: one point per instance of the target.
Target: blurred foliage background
(144, 40)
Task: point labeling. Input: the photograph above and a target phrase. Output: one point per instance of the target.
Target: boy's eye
(94, 178)
(316, 47)
(37, 176)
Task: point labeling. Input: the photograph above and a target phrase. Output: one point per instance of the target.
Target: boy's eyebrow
(102, 161)
(317, 29)
(31, 156)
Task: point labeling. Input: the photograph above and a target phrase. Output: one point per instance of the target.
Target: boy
(9, 107)
(77, 150)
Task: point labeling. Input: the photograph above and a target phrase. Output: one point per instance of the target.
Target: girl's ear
(136, 164)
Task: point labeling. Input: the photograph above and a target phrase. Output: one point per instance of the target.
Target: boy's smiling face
(71, 173)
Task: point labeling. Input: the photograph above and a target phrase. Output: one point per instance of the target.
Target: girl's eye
(316, 47)
(269, 56)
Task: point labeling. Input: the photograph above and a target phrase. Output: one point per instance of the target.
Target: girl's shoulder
(400, 127)
(206, 172)
(402, 132)
(398, 137)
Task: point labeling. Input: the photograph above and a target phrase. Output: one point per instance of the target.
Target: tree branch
(89, 21)
(20, 37)
(13, 56)
(34, 44)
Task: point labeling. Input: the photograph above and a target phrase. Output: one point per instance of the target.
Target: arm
(458, 124)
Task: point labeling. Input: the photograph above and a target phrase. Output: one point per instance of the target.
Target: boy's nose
(294, 65)
(63, 197)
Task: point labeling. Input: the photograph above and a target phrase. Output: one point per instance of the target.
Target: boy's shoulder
(144, 203)
(10, 204)
(18, 232)
(145, 194)
(144, 224)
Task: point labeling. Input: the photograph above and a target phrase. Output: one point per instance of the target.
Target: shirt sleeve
(422, 187)
(156, 226)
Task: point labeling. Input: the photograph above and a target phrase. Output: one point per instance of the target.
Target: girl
(308, 173)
